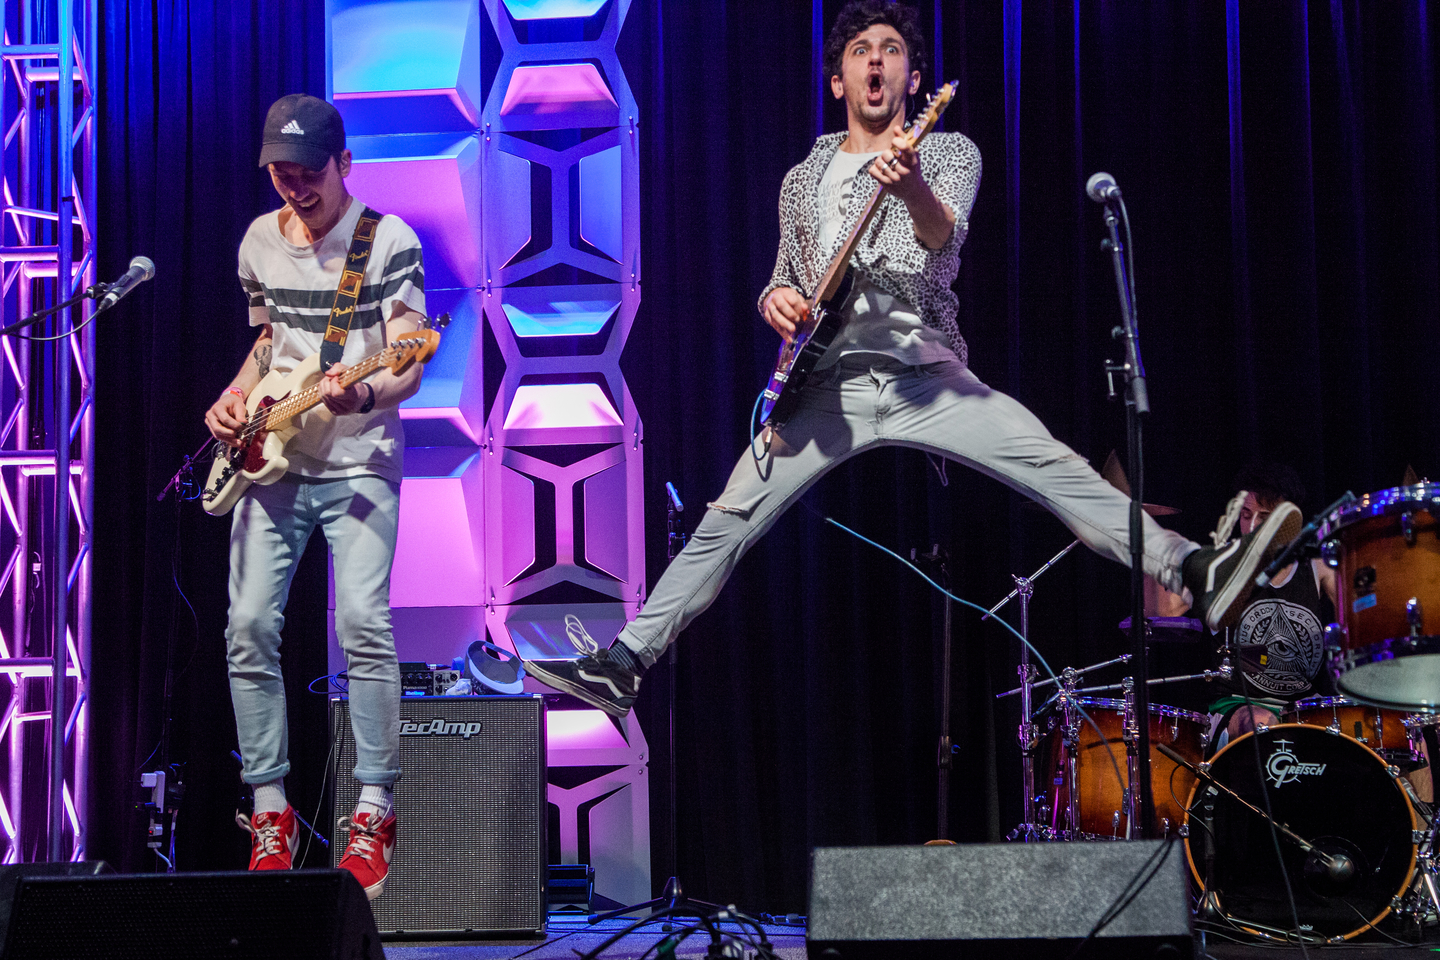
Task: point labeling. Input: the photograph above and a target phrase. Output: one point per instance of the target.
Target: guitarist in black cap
(896, 370)
(344, 470)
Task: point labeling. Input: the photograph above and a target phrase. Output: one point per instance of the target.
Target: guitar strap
(342, 314)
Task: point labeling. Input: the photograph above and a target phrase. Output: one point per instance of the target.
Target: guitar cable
(1109, 750)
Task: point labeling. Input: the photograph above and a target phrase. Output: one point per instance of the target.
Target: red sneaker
(274, 837)
(367, 855)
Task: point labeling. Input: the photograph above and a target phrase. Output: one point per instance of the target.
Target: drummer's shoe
(1221, 578)
(273, 838)
(607, 679)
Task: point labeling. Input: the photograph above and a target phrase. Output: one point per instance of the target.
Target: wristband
(235, 390)
(369, 403)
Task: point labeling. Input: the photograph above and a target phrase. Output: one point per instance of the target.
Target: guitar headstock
(935, 105)
(416, 347)
(435, 323)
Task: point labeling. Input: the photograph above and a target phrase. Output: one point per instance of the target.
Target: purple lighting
(555, 88)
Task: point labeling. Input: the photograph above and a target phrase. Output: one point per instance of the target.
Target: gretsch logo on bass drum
(1284, 767)
(439, 728)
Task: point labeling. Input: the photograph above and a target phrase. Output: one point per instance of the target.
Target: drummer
(1278, 641)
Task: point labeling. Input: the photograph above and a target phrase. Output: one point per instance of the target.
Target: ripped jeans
(868, 401)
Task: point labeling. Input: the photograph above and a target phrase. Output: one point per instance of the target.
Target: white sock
(374, 800)
(270, 797)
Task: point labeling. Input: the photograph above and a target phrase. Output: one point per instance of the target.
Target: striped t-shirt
(292, 288)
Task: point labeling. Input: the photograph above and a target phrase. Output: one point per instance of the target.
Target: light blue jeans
(272, 523)
(869, 401)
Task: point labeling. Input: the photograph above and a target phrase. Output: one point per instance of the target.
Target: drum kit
(1318, 804)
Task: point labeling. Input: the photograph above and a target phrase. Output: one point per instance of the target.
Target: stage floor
(571, 936)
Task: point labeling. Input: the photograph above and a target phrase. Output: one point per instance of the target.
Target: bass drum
(1329, 789)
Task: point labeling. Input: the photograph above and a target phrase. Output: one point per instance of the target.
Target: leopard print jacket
(890, 256)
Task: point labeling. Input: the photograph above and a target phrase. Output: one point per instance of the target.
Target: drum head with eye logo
(1332, 791)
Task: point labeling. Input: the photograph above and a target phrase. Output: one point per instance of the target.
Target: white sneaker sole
(1280, 528)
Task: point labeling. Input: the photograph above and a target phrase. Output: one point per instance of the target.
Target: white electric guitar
(275, 406)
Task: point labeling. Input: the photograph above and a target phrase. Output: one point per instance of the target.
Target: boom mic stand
(1102, 189)
(939, 558)
(672, 900)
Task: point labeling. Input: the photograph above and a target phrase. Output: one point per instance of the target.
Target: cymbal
(1154, 509)
(1169, 629)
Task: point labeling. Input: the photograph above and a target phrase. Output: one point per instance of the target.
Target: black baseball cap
(302, 129)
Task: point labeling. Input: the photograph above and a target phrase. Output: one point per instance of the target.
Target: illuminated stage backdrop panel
(505, 133)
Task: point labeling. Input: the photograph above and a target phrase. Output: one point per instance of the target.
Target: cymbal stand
(1225, 672)
(1072, 750)
(1130, 798)
(1028, 733)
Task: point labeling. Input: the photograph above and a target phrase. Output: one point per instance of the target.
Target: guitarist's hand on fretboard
(786, 311)
(898, 171)
(341, 400)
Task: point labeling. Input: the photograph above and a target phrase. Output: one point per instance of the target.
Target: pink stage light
(555, 88)
(561, 405)
(581, 730)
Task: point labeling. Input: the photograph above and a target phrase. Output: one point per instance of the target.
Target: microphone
(1101, 188)
(141, 269)
(673, 497)
(1301, 543)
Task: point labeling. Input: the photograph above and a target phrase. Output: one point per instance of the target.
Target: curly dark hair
(858, 16)
(1271, 482)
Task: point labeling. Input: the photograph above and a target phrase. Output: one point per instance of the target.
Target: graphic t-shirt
(292, 288)
(1280, 639)
(875, 321)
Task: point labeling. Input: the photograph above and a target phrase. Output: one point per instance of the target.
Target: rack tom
(1384, 731)
(1385, 548)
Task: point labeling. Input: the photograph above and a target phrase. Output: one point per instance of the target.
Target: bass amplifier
(471, 841)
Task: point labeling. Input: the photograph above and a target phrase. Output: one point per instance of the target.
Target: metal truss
(47, 176)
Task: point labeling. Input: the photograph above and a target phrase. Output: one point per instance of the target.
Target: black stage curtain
(1279, 161)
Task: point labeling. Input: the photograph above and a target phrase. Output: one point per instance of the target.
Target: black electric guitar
(798, 356)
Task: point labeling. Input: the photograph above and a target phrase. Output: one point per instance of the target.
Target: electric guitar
(275, 406)
(799, 355)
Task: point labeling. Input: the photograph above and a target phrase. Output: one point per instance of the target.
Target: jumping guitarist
(896, 371)
(344, 473)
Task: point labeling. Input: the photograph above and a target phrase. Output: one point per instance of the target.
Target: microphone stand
(1137, 407)
(672, 901)
(92, 293)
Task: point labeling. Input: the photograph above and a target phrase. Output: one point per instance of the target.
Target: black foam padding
(264, 915)
(1016, 901)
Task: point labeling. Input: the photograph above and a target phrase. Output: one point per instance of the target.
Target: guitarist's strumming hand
(226, 416)
(934, 221)
(785, 310)
(342, 400)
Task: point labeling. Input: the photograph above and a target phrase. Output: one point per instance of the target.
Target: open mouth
(875, 88)
(305, 206)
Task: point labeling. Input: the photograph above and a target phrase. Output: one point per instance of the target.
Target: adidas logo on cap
(293, 127)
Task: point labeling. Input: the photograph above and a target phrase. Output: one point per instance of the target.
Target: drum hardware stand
(1028, 732)
(1225, 672)
(1123, 658)
(1209, 906)
(938, 557)
(1071, 739)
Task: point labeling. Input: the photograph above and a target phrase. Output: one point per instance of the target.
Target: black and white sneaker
(1220, 578)
(608, 679)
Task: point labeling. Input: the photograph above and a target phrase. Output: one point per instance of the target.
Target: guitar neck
(835, 273)
(292, 406)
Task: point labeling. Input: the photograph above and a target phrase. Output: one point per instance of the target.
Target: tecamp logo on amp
(439, 728)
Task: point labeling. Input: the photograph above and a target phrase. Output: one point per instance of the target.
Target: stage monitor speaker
(1018, 901)
(264, 915)
(471, 852)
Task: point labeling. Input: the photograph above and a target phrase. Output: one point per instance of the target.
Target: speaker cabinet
(470, 849)
(1017, 901)
(265, 915)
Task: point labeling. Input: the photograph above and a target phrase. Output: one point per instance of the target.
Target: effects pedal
(426, 679)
